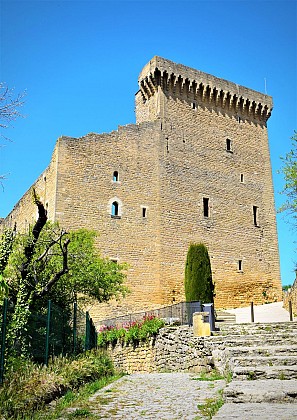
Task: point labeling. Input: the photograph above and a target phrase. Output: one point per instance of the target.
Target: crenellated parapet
(202, 89)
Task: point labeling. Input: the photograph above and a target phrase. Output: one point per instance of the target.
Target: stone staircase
(263, 361)
(224, 317)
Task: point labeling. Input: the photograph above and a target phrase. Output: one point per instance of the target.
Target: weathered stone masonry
(194, 168)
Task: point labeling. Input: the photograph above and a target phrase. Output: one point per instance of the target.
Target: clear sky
(79, 62)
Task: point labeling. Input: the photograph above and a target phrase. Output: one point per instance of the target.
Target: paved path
(271, 312)
(172, 396)
(155, 396)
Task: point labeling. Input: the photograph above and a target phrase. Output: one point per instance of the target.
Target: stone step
(223, 316)
(264, 372)
(254, 340)
(263, 361)
(251, 328)
(265, 351)
(269, 390)
(252, 411)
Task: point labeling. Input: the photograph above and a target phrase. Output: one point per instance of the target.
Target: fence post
(290, 310)
(252, 312)
(87, 339)
(48, 326)
(75, 327)
(4, 320)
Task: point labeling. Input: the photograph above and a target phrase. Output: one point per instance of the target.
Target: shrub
(132, 332)
(198, 277)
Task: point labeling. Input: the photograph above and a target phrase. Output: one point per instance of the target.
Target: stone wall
(173, 349)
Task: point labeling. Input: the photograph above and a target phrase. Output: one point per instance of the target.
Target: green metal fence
(51, 332)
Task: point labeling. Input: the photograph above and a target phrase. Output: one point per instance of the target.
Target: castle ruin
(194, 168)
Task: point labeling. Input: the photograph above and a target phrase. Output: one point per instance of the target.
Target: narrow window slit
(255, 215)
(206, 207)
(228, 145)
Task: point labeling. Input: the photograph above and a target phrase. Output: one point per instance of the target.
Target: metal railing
(180, 313)
(51, 332)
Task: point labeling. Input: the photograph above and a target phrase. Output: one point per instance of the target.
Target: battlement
(183, 82)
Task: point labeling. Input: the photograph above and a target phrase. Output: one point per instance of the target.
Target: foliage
(286, 287)
(211, 405)
(6, 242)
(131, 332)
(213, 375)
(198, 277)
(50, 263)
(289, 171)
(88, 275)
(31, 387)
(3, 288)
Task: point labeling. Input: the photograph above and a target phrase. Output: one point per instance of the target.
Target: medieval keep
(194, 168)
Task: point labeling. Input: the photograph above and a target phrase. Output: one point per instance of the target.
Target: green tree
(289, 171)
(51, 263)
(198, 277)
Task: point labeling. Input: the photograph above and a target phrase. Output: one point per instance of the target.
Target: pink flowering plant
(133, 332)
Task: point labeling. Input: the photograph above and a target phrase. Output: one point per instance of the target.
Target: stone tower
(194, 168)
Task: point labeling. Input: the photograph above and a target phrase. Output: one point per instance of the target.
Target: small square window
(115, 176)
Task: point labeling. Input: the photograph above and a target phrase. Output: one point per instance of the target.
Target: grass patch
(78, 399)
(211, 405)
(32, 387)
(213, 375)
(80, 413)
(251, 376)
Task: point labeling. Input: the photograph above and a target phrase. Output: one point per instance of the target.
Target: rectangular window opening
(255, 215)
(206, 207)
(241, 178)
(144, 212)
(228, 145)
(239, 265)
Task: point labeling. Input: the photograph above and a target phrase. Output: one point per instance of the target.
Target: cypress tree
(198, 277)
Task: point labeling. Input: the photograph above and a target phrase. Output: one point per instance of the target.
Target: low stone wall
(173, 349)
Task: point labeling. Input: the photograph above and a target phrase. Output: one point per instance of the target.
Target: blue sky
(79, 62)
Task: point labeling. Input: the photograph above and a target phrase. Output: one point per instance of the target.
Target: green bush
(198, 277)
(130, 333)
(30, 387)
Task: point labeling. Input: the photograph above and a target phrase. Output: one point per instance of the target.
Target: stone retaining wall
(173, 349)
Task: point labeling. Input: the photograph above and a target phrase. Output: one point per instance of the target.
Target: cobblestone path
(153, 396)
